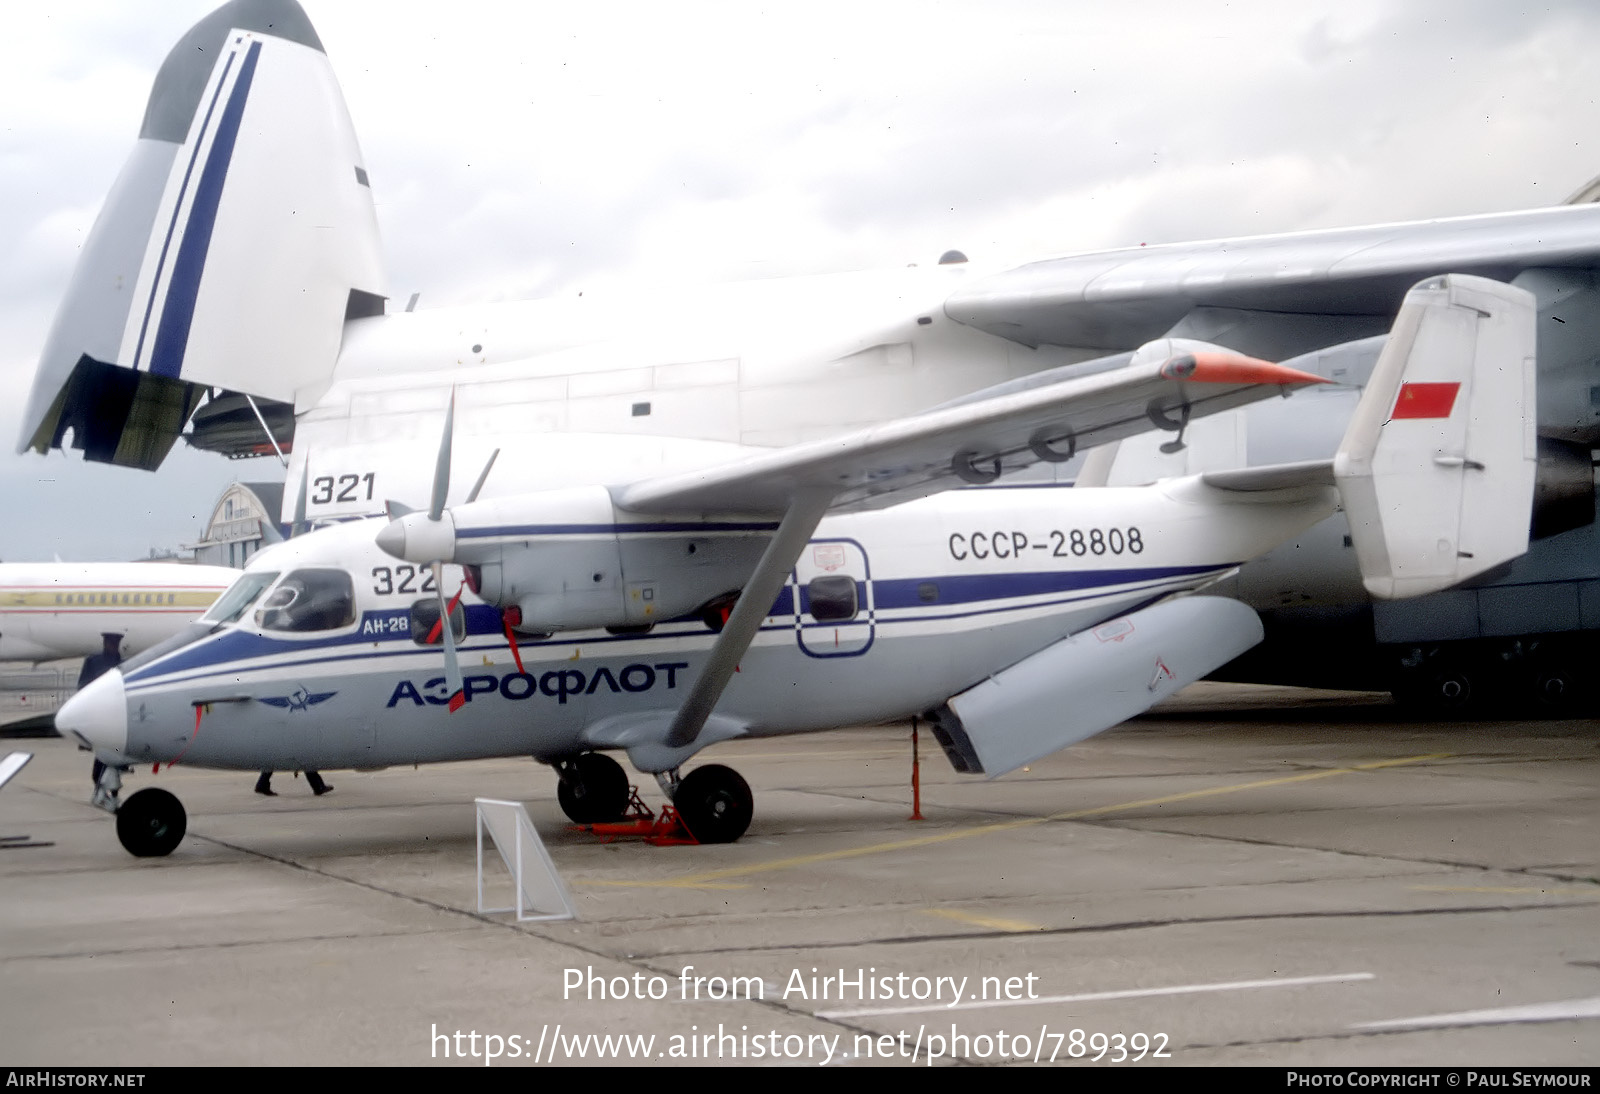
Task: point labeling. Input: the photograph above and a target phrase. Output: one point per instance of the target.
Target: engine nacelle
(570, 560)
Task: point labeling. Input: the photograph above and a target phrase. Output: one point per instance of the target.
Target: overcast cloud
(532, 149)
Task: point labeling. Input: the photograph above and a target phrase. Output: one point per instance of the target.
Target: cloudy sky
(530, 149)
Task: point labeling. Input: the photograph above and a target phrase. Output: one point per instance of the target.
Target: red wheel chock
(667, 830)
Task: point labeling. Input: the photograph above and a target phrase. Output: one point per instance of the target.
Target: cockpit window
(309, 600)
(240, 595)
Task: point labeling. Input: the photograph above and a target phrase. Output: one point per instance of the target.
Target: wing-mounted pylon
(236, 242)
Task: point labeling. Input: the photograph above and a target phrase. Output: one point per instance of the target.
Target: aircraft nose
(98, 715)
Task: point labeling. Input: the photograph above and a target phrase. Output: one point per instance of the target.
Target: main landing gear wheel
(1442, 689)
(151, 823)
(715, 802)
(1557, 687)
(593, 789)
(1452, 689)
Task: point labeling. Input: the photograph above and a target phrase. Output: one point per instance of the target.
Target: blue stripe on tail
(177, 315)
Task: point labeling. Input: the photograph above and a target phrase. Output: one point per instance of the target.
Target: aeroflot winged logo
(300, 700)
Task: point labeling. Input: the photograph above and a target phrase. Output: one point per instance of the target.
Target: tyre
(715, 803)
(597, 790)
(151, 823)
(1452, 689)
(1440, 689)
(1558, 690)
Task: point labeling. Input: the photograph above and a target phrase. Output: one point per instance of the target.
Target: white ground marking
(1531, 1012)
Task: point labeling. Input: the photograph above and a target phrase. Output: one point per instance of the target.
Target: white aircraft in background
(796, 590)
(58, 610)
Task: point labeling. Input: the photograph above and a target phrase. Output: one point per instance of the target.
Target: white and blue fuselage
(941, 594)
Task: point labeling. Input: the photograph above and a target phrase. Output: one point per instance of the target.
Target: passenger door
(832, 597)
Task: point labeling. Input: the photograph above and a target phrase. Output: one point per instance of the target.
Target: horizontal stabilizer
(1438, 465)
(239, 237)
(1278, 476)
(1090, 682)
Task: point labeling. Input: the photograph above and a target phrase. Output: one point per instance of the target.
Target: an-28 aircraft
(794, 590)
(666, 460)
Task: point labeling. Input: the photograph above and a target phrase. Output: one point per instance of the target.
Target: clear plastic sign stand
(12, 764)
(540, 891)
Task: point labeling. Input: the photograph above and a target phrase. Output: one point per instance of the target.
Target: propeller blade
(438, 624)
(394, 510)
(452, 667)
(483, 476)
(441, 471)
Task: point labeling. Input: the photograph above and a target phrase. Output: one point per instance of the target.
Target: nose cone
(416, 537)
(392, 539)
(98, 715)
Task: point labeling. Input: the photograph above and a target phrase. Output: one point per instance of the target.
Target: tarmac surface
(1247, 876)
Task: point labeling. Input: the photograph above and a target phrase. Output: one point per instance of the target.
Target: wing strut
(805, 512)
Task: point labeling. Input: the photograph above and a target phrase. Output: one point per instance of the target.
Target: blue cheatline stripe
(967, 588)
(177, 207)
(243, 645)
(177, 314)
(482, 620)
(1156, 589)
(433, 658)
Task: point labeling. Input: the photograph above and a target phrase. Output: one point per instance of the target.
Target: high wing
(1275, 296)
(974, 442)
(1166, 384)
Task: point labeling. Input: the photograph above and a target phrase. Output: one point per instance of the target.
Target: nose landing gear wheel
(151, 823)
(715, 802)
(593, 789)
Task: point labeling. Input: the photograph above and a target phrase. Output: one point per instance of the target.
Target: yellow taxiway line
(989, 922)
(711, 878)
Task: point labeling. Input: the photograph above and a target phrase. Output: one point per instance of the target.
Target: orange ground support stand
(667, 830)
